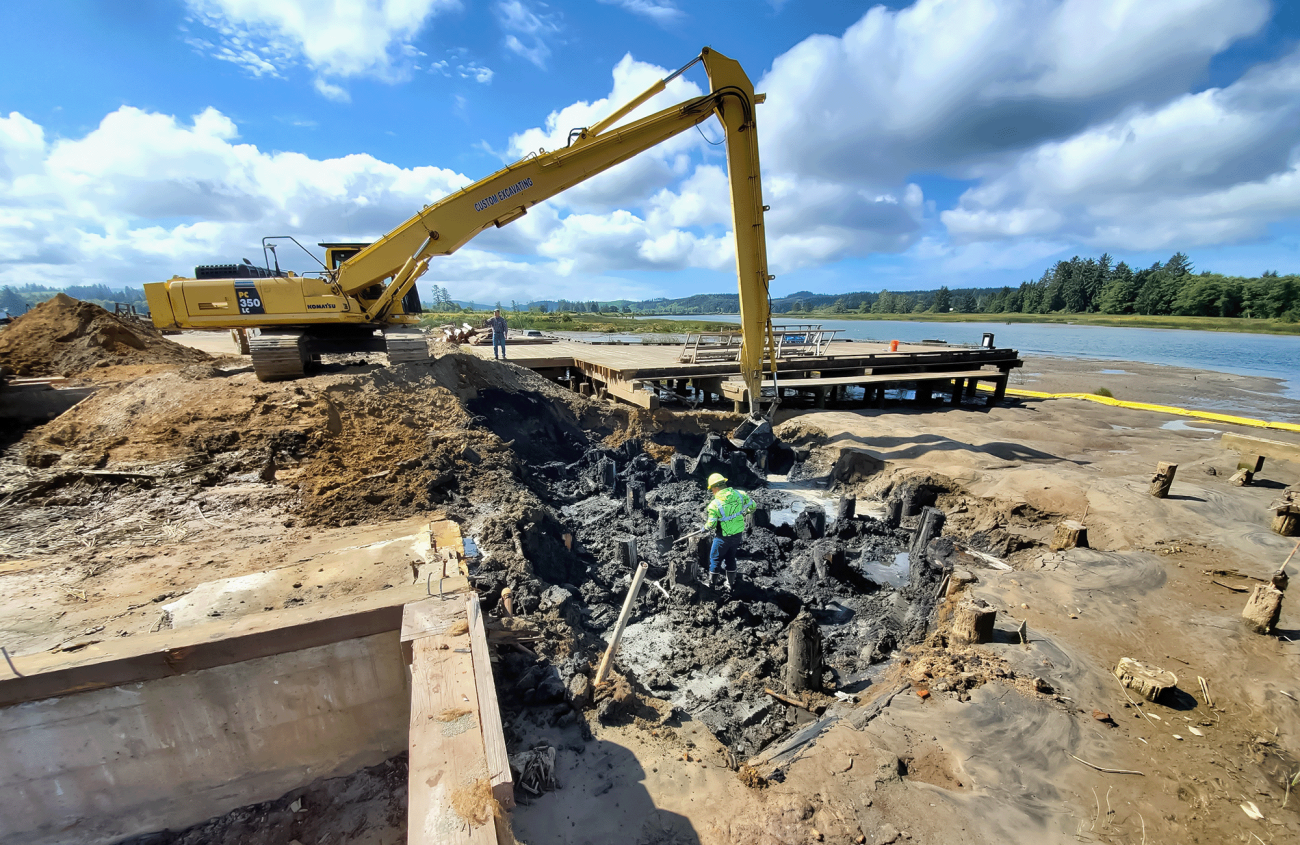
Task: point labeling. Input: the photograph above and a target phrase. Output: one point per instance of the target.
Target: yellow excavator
(364, 295)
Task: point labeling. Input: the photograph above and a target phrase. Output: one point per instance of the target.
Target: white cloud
(336, 39)
(144, 196)
(330, 91)
(662, 12)
(1212, 167)
(528, 31)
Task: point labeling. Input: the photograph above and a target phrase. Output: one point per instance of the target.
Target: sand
(987, 764)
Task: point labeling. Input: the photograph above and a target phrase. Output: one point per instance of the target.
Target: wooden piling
(803, 668)
(1070, 534)
(1163, 479)
(973, 622)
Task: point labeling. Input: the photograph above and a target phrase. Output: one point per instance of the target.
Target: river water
(1272, 356)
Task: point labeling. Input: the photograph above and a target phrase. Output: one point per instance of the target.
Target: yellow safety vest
(728, 509)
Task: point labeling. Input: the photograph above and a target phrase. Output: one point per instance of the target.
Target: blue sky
(904, 145)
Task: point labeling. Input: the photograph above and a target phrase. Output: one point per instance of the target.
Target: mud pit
(179, 478)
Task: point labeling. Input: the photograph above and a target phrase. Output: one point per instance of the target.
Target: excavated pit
(549, 485)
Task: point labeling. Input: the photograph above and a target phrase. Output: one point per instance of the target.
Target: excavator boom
(380, 274)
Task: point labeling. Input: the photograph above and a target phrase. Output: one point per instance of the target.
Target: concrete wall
(97, 766)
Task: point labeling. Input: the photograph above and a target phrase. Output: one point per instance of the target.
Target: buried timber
(163, 484)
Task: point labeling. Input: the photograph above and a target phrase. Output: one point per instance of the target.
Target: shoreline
(1258, 397)
(1238, 325)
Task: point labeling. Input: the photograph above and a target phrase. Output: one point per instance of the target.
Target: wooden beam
(625, 391)
(145, 657)
(427, 617)
(489, 708)
(446, 747)
(1247, 445)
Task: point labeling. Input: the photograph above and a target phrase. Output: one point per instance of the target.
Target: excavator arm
(505, 196)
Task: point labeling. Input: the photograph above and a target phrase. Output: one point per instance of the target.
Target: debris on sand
(66, 337)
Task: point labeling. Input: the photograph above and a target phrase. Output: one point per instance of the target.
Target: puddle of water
(800, 496)
(889, 574)
(1114, 372)
(1121, 427)
(1183, 425)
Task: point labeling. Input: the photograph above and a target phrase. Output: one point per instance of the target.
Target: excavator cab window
(336, 254)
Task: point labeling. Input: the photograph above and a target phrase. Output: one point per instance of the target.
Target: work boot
(715, 580)
(728, 576)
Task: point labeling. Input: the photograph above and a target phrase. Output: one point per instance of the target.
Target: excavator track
(278, 356)
(406, 347)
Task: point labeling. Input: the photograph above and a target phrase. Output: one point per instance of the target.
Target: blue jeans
(724, 550)
(498, 341)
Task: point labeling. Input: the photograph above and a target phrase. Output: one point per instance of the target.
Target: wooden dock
(647, 374)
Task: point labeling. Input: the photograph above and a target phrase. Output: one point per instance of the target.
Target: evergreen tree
(1118, 293)
(942, 301)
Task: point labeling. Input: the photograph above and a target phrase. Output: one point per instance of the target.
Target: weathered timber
(1286, 523)
(627, 552)
(1262, 608)
(429, 616)
(1163, 479)
(446, 744)
(489, 708)
(680, 465)
(1070, 534)
(1261, 447)
(170, 652)
(803, 668)
(973, 622)
(894, 513)
(635, 497)
(1150, 682)
(929, 526)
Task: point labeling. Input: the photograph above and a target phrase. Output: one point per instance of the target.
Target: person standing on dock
(726, 519)
(497, 324)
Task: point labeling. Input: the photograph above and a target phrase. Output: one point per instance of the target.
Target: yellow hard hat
(715, 480)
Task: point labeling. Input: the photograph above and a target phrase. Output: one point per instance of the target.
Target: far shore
(1209, 324)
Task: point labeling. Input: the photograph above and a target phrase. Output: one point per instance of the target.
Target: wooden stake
(793, 702)
(632, 591)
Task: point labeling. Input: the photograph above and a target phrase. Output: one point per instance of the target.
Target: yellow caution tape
(1160, 409)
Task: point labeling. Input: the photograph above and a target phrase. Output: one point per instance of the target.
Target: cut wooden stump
(1070, 534)
(1287, 523)
(1262, 608)
(848, 507)
(1163, 479)
(803, 668)
(893, 512)
(635, 497)
(973, 622)
(1150, 682)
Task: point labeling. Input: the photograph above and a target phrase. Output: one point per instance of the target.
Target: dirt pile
(65, 337)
